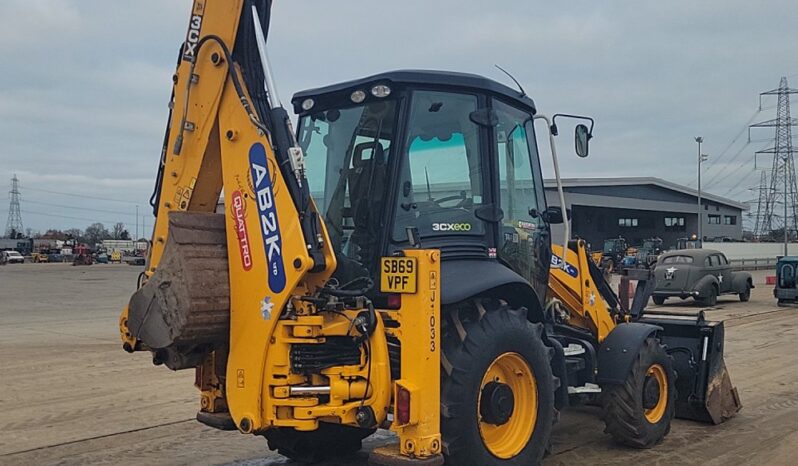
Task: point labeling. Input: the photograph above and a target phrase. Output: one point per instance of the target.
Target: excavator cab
(440, 160)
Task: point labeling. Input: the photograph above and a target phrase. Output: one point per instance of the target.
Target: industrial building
(643, 207)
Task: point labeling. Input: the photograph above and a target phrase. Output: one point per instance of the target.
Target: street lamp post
(699, 140)
(786, 221)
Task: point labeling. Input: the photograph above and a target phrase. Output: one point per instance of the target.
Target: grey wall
(713, 230)
(596, 211)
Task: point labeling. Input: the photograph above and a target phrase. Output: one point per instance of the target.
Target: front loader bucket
(705, 391)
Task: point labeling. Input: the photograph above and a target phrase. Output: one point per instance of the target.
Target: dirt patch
(70, 395)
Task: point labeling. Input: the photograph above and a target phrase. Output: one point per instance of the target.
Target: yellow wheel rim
(508, 439)
(654, 415)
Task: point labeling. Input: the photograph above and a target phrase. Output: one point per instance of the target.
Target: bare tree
(95, 233)
(73, 233)
(118, 231)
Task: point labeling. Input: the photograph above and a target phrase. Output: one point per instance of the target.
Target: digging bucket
(705, 390)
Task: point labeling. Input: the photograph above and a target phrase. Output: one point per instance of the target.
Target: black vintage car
(701, 274)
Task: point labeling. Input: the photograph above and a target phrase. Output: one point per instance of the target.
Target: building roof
(641, 181)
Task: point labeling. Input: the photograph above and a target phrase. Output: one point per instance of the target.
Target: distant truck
(40, 257)
(82, 255)
(644, 256)
(613, 253)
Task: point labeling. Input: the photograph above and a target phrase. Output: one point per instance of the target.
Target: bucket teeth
(722, 401)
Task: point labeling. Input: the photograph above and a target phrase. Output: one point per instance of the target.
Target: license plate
(398, 274)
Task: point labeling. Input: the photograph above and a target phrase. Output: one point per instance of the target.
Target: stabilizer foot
(389, 455)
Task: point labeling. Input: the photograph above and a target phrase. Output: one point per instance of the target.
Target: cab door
(524, 238)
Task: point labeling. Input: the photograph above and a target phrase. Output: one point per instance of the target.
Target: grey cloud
(84, 85)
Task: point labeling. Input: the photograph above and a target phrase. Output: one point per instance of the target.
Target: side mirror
(581, 138)
(552, 215)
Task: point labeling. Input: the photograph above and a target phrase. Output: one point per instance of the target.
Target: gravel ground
(70, 395)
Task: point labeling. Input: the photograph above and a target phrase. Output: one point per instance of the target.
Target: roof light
(307, 104)
(358, 96)
(380, 90)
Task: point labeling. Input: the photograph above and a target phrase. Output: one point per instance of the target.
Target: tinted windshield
(609, 246)
(441, 174)
(677, 260)
(346, 156)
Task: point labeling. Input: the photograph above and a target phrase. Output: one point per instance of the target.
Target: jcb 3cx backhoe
(388, 265)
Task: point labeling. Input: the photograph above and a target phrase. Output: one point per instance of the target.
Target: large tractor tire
(497, 387)
(329, 441)
(638, 413)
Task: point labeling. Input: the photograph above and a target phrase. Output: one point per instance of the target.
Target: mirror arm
(560, 191)
(578, 117)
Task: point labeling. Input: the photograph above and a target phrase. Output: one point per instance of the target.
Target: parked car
(701, 274)
(40, 257)
(786, 290)
(12, 257)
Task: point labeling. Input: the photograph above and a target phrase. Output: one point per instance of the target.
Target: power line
(716, 159)
(738, 188)
(729, 164)
(83, 196)
(742, 131)
(93, 220)
(81, 208)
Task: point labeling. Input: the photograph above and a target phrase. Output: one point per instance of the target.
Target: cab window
(677, 260)
(787, 276)
(440, 175)
(515, 140)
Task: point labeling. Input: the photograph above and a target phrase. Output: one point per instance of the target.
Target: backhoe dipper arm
(189, 177)
(224, 133)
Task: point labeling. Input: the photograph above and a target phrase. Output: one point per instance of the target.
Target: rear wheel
(497, 388)
(329, 441)
(659, 300)
(746, 294)
(711, 299)
(638, 413)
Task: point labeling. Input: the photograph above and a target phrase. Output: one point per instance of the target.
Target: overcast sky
(84, 84)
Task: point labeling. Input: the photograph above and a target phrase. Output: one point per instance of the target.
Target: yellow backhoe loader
(388, 265)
